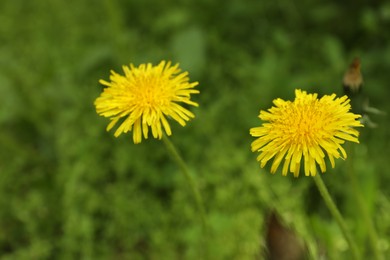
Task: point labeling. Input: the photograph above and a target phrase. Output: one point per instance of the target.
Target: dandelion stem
(179, 160)
(372, 234)
(336, 214)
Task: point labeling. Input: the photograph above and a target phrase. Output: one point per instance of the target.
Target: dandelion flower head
(307, 129)
(145, 97)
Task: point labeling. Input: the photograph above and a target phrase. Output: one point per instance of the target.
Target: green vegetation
(70, 190)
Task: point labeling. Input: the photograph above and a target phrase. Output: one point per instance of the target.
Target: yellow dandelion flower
(308, 128)
(145, 97)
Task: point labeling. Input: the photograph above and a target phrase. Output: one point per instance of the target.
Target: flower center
(152, 92)
(304, 123)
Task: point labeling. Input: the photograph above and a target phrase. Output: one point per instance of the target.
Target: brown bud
(353, 79)
(282, 242)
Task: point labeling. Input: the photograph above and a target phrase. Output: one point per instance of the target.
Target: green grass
(70, 190)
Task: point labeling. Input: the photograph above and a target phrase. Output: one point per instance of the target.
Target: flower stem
(336, 214)
(372, 234)
(184, 169)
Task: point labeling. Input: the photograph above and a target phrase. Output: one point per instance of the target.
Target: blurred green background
(70, 190)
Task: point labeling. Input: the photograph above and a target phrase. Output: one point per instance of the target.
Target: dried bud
(353, 79)
(282, 242)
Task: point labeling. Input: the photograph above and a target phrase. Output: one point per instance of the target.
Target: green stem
(336, 214)
(184, 169)
(373, 237)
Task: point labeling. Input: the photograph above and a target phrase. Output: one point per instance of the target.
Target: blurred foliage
(70, 190)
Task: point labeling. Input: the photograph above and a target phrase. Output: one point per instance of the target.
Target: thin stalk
(372, 234)
(336, 214)
(191, 182)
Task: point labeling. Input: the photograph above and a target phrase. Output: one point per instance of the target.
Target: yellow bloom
(308, 127)
(145, 97)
